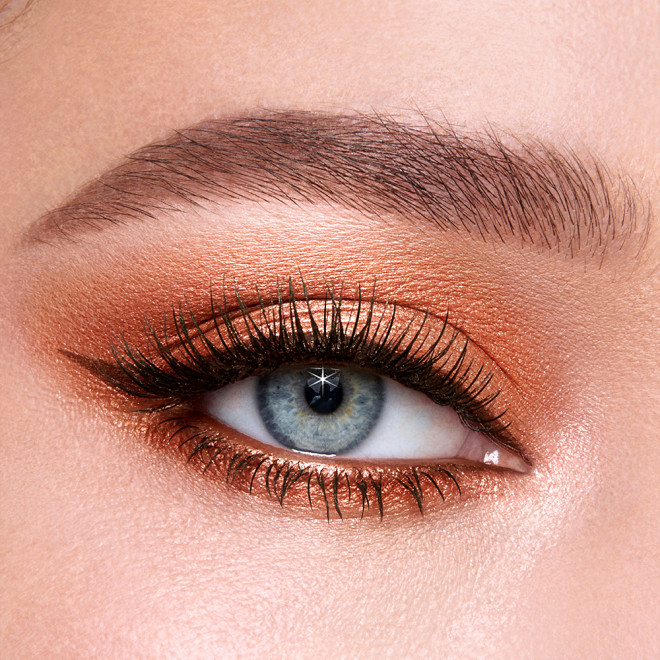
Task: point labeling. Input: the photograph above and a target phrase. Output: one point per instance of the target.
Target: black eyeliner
(190, 358)
(240, 341)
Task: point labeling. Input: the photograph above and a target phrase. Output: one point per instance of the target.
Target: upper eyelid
(187, 324)
(130, 375)
(446, 319)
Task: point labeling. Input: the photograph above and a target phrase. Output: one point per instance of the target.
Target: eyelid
(414, 334)
(419, 349)
(337, 487)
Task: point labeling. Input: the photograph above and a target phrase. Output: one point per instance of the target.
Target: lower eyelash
(333, 490)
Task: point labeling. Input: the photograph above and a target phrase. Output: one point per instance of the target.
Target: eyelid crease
(244, 306)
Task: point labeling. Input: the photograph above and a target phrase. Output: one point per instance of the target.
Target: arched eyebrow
(485, 185)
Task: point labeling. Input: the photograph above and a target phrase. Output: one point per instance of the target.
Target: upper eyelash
(191, 361)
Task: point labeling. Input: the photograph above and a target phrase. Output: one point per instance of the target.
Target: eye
(333, 403)
(352, 413)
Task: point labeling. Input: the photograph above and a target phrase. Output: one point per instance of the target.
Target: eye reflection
(350, 412)
(324, 392)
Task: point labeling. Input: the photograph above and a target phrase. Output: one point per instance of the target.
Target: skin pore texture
(112, 545)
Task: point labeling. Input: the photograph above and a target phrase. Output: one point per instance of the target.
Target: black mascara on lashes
(239, 341)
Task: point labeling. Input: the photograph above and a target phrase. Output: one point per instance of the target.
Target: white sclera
(411, 427)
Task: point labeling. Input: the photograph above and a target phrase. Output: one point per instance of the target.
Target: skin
(113, 547)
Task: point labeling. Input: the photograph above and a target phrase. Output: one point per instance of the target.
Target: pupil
(323, 390)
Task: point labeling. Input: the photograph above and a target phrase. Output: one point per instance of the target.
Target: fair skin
(116, 547)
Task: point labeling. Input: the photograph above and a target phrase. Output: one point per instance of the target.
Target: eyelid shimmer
(368, 334)
(242, 341)
(118, 293)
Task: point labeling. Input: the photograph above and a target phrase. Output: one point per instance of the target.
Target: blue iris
(320, 410)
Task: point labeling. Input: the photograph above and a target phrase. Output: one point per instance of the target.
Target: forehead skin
(80, 89)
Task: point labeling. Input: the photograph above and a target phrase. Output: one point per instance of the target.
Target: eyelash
(242, 341)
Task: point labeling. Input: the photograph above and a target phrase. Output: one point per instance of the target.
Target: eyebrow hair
(10, 14)
(482, 184)
(13, 17)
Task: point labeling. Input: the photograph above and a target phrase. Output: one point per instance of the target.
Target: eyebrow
(483, 184)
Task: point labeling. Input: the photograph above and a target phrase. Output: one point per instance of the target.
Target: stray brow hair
(480, 184)
(10, 14)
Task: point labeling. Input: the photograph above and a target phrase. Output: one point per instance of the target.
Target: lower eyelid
(326, 489)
